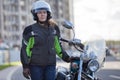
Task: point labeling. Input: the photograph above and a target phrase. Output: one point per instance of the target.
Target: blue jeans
(42, 72)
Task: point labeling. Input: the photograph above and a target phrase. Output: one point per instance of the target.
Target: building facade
(15, 16)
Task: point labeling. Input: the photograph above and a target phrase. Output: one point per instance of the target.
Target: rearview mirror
(67, 24)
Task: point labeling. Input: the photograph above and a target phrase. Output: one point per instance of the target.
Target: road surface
(110, 71)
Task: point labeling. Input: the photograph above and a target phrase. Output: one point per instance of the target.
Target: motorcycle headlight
(93, 65)
(74, 65)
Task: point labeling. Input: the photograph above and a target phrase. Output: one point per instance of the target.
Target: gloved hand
(26, 73)
(65, 56)
(68, 59)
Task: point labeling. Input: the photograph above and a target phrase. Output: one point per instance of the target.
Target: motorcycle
(87, 62)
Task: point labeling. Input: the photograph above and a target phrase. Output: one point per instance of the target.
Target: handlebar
(64, 40)
(74, 43)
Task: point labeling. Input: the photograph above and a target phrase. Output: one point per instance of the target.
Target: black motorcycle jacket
(40, 45)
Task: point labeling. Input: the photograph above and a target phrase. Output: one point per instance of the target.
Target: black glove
(65, 56)
(26, 73)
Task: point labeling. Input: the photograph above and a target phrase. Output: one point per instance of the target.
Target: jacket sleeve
(27, 44)
(58, 47)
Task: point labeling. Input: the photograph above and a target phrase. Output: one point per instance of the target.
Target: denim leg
(50, 72)
(36, 72)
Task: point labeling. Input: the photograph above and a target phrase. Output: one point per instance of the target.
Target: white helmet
(38, 5)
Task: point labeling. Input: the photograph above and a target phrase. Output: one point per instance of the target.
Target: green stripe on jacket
(29, 46)
(57, 47)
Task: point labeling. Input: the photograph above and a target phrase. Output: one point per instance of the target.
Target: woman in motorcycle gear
(40, 44)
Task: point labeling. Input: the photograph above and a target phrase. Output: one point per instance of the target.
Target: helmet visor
(39, 9)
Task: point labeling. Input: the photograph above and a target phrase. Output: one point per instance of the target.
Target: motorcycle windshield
(95, 48)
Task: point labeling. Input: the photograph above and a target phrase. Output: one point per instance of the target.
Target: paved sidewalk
(14, 73)
(7, 73)
(17, 75)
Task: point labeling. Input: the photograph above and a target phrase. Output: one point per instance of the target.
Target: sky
(97, 18)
